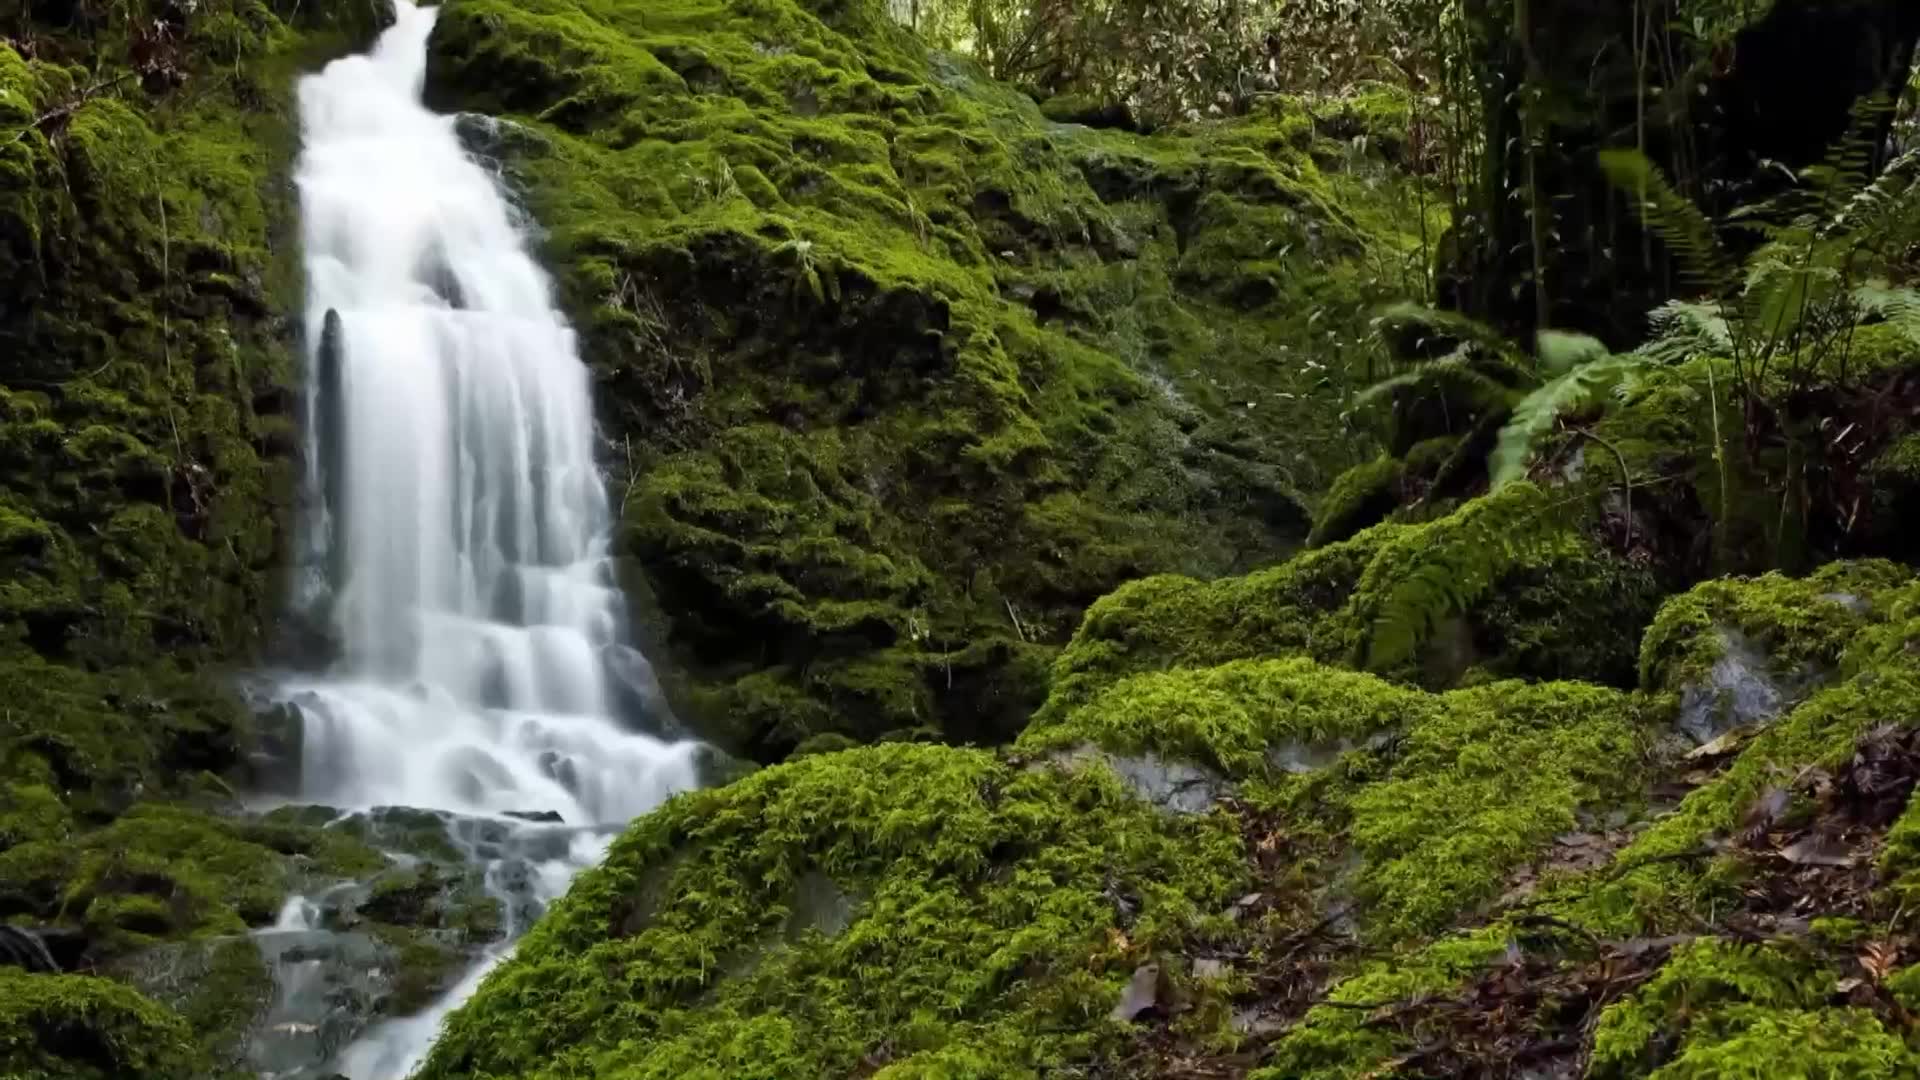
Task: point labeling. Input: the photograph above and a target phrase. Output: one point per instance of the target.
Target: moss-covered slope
(903, 374)
(1263, 865)
(149, 283)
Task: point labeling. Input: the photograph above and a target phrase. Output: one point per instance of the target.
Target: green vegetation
(989, 916)
(904, 375)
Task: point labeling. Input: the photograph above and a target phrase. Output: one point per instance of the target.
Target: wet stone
(1173, 786)
(1741, 690)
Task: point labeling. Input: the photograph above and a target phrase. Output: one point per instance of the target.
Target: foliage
(1786, 314)
(1183, 61)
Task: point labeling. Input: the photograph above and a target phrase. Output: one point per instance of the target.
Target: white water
(466, 522)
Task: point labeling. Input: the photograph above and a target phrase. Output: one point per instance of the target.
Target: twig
(1626, 474)
(1011, 614)
(69, 108)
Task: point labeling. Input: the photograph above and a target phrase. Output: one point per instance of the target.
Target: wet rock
(1173, 786)
(222, 985)
(819, 906)
(1740, 690)
(495, 142)
(326, 989)
(549, 817)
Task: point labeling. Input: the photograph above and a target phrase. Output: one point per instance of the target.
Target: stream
(485, 712)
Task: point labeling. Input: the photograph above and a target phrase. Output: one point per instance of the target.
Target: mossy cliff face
(903, 375)
(147, 446)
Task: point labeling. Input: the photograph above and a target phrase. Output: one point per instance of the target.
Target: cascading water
(464, 524)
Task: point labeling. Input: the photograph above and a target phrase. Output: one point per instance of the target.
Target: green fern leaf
(1536, 413)
(1679, 224)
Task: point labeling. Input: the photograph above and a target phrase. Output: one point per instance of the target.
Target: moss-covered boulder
(901, 374)
(898, 910)
(78, 1027)
(1516, 584)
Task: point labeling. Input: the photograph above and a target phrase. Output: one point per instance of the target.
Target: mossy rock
(220, 987)
(1362, 496)
(80, 1027)
(902, 374)
(999, 911)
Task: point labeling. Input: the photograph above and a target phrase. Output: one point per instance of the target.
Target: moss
(1462, 788)
(1666, 876)
(1001, 910)
(1718, 1009)
(907, 375)
(1172, 621)
(1802, 624)
(1361, 496)
(1482, 786)
(1235, 717)
(78, 1027)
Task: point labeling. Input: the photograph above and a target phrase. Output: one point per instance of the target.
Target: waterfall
(465, 525)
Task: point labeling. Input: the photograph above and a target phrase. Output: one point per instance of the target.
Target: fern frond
(1418, 321)
(1421, 579)
(1683, 330)
(1561, 352)
(1868, 213)
(1898, 305)
(1679, 224)
(1457, 369)
(1534, 415)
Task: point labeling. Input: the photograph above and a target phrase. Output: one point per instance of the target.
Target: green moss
(1335, 1041)
(1170, 621)
(1361, 496)
(1234, 716)
(1802, 624)
(78, 1027)
(1483, 785)
(1718, 1009)
(984, 935)
(1667, 874)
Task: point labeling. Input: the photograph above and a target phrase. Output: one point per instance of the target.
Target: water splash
(464, 529)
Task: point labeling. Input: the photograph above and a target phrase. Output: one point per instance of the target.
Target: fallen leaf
(1817, 851)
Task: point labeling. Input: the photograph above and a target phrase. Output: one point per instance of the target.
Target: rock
(1173, 786)
(1141, 993)
(819, 906)
(1740, 690)
(545, 817)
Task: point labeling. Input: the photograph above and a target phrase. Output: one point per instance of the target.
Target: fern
(1459, 368)
(1445, 568)
(1534, 416)
(1680, 225)
(1682, 331)
(1897, 305)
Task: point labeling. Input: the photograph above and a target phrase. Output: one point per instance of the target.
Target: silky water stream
(483, 695)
